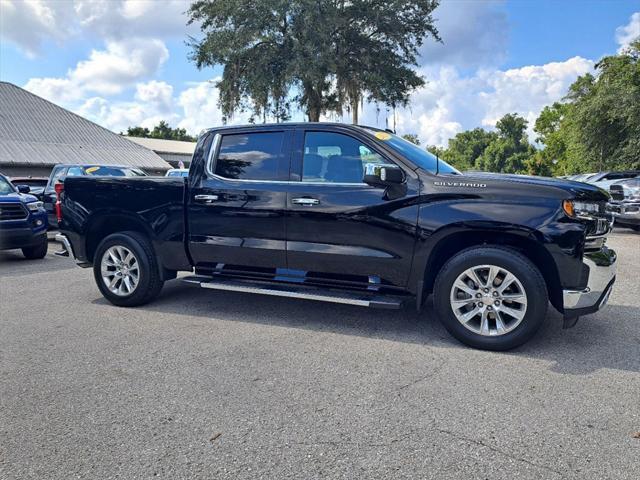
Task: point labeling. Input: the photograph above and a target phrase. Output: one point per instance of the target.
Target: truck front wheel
(126, 269)
(491, 298)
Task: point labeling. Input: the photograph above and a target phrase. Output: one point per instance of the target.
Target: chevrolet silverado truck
(351, 215)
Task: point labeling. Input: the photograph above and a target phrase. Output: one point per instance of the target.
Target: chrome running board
(362, 299)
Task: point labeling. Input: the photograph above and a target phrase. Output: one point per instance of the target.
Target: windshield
(6, 187)
(413, 153)
(102, 171)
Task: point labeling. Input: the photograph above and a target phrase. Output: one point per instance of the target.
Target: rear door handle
(205, 198)
(305, 201)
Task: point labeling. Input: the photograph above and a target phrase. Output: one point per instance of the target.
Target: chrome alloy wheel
(120, 270)
(488, 300)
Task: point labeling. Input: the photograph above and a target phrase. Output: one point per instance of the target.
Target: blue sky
(124, 62)
(543, 30)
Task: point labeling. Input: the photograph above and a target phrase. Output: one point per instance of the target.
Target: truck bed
(151, 204)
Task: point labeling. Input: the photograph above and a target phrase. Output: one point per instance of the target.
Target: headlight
(35, 206)
(580, 209)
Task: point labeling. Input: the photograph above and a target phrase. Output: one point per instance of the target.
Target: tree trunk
(313, 101)
(314, 113)
(354, 110)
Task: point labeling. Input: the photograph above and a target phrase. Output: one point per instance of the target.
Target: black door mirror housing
(377, 174)
(23, 188)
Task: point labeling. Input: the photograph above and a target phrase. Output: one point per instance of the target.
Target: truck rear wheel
(491, 298)
(126, 269)
(37, 251)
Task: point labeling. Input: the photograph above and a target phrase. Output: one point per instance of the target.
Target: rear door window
(251, 156)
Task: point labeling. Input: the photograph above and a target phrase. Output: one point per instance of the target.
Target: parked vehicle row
(62, 171)
(36, 184)
(604, 179)
(625, 203)
(353, 215)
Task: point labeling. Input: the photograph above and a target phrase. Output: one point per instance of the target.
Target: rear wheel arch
(450, 245)
(106, 224)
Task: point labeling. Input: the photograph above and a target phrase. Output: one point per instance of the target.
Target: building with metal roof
(36, 134)
(172, 151)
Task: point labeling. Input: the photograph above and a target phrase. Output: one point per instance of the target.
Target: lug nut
(478, 295)
(496, 303)
(489, 307)
(486, 290)
(480, 304)
(495, 294)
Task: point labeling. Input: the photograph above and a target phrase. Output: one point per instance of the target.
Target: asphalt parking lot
(203, 384)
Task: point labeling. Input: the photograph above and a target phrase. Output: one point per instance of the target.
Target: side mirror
(23, 188)
(381, 175)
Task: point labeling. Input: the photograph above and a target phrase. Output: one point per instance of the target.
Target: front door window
(335, 158)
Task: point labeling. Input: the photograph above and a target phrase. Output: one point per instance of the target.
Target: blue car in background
(23, 220)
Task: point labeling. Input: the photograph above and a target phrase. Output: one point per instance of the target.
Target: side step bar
(362, 299)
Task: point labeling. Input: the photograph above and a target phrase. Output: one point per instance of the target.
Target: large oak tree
(321, 55)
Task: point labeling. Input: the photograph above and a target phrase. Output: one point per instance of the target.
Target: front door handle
(307, 202)
(205, 198)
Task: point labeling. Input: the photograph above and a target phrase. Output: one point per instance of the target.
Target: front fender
(446, 227)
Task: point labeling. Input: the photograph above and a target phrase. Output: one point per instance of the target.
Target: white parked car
(605, 179)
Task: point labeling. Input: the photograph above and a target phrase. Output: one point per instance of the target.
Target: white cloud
(106, 72)
(200, 109)
(158, 94)
(475, 33)
(120, 65)
(194, 109)
(123, 18)
(26, 23)
(118, 116)
(450, 103)
(29, 23)
(629, 32)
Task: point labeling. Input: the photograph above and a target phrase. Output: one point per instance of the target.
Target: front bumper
(625, 212)
(602, 275)
(20, 237)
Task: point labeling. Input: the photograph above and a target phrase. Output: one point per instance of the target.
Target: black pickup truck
(353, 215)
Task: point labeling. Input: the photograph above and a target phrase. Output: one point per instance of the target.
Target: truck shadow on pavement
(608, 339)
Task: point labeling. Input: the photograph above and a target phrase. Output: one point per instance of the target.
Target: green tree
(138, 132)
(163, 131)
(323, 56)
(411, 137)
(510, 150)
(553, 129)
(605, 112)
(439, 152)
(465, 148)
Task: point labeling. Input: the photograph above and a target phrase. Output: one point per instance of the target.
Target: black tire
(37, 251)
(529, 276)
(149, 284)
